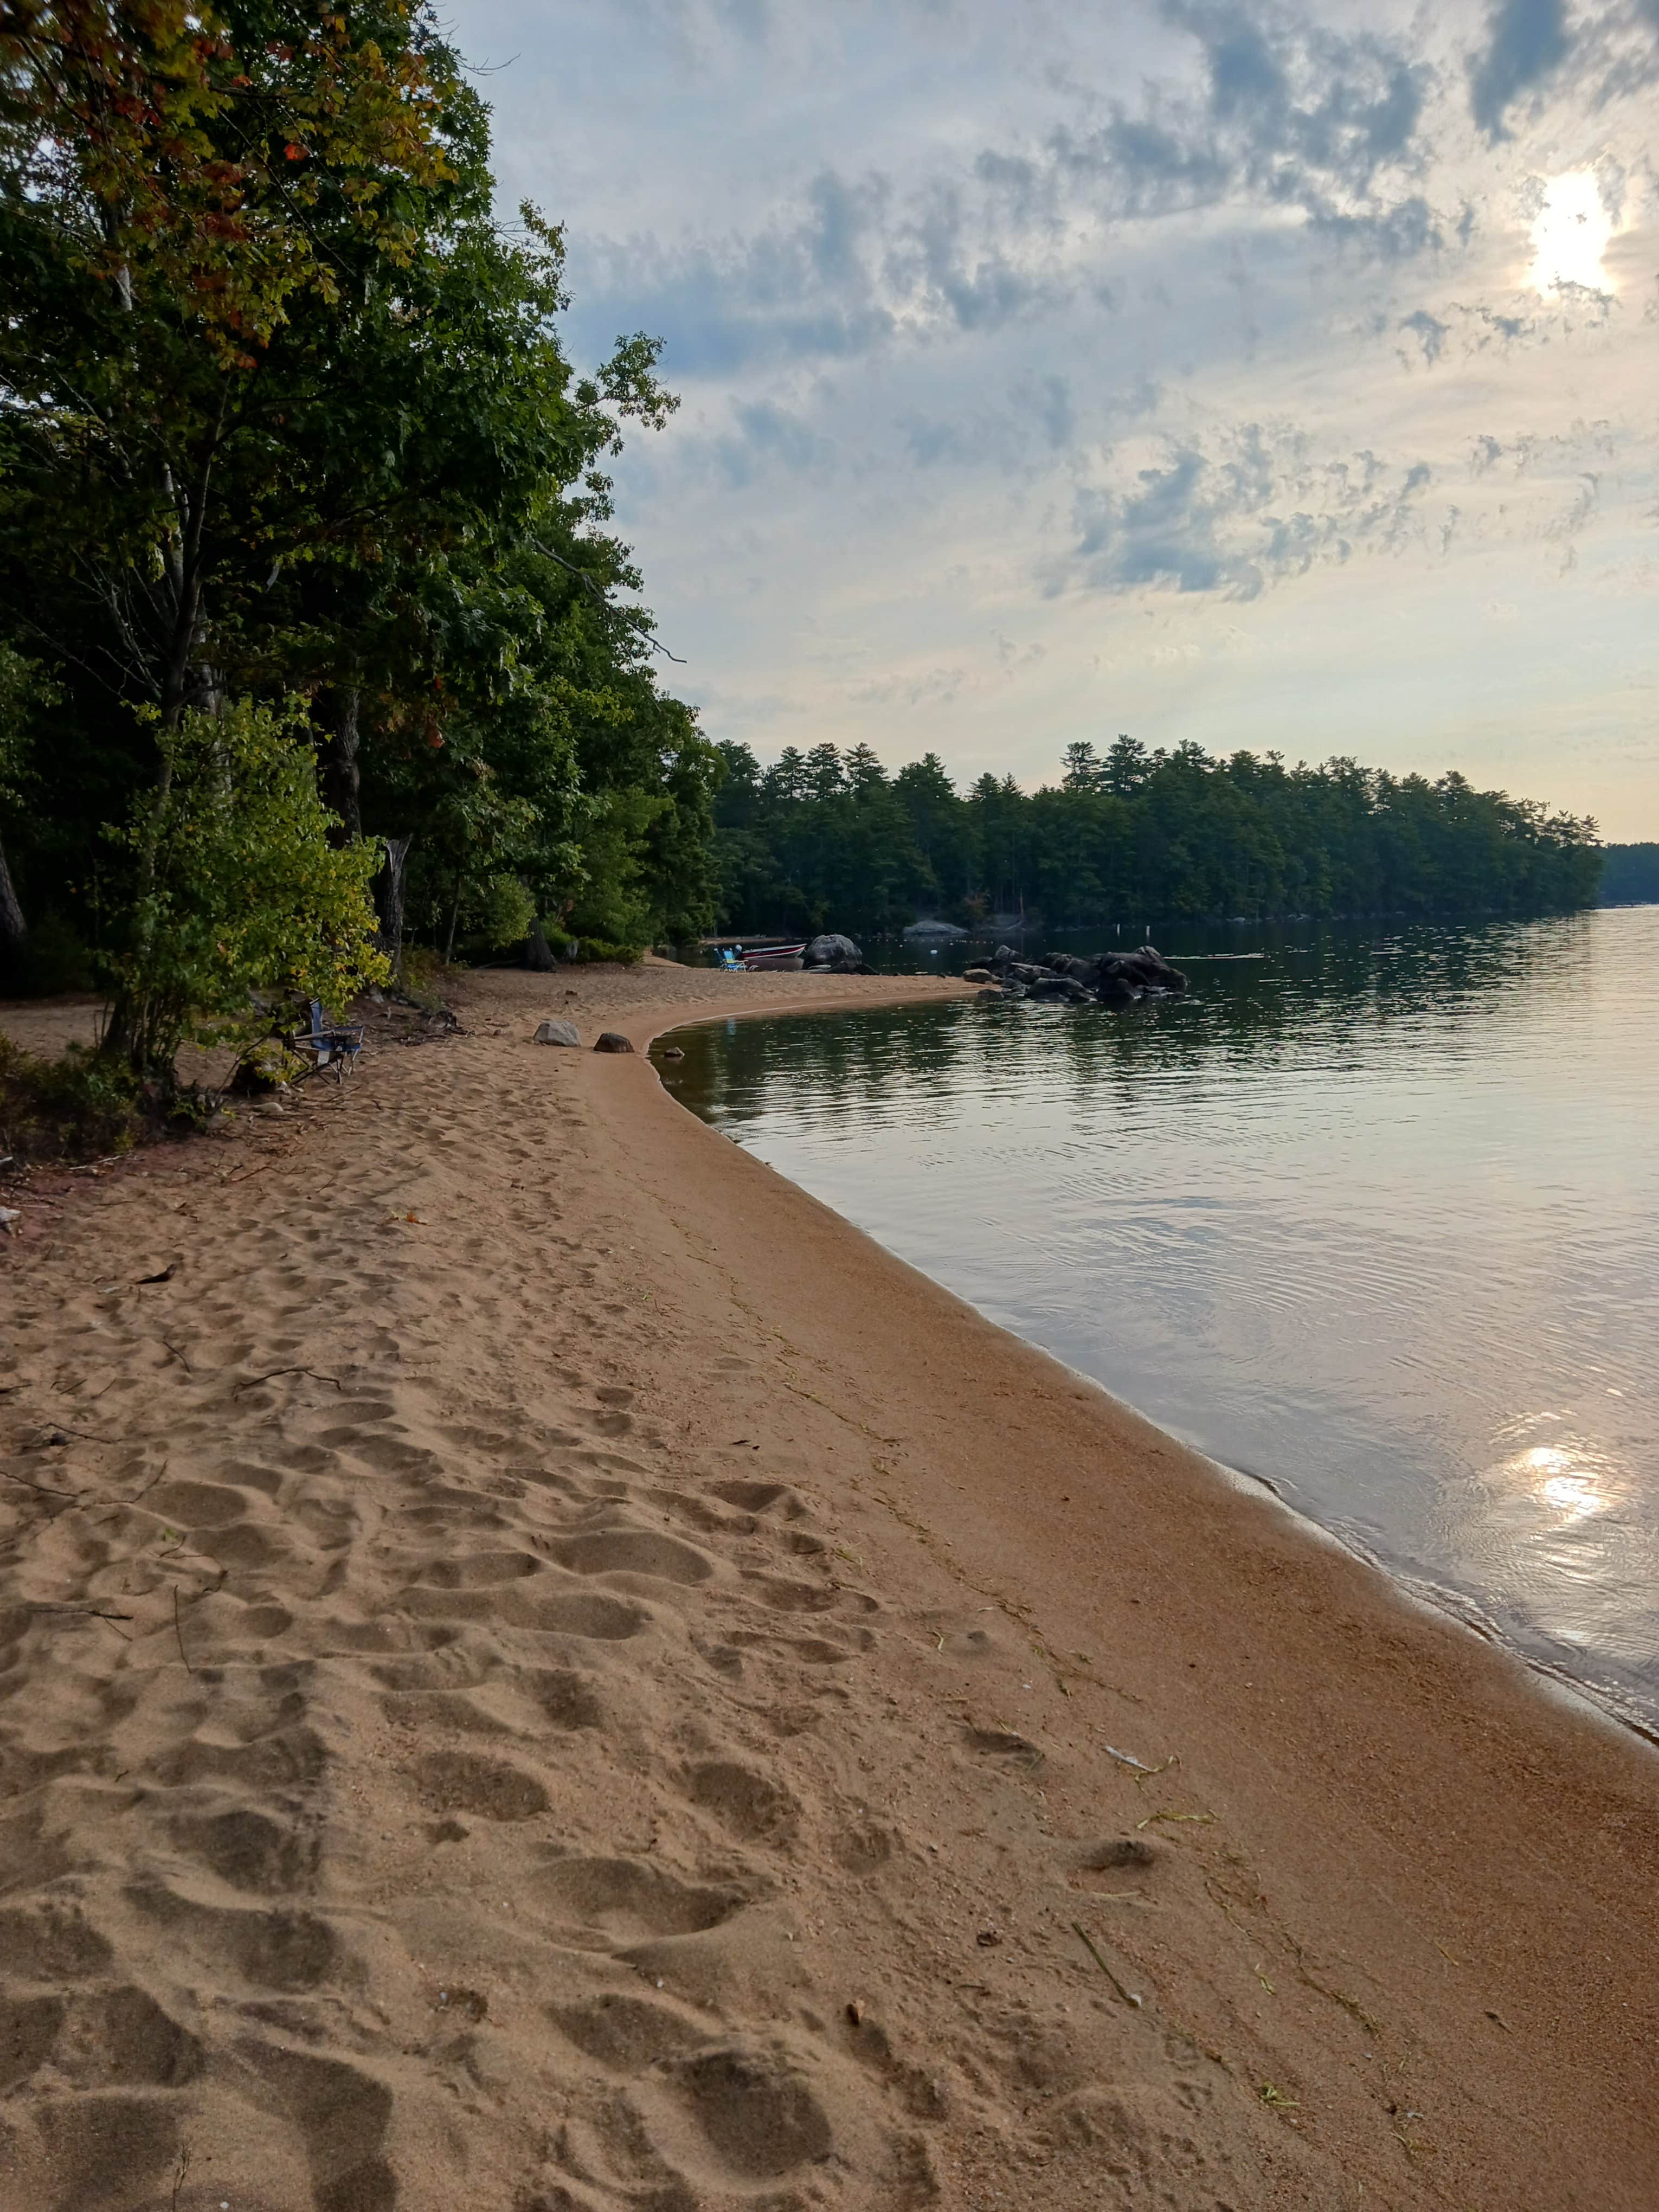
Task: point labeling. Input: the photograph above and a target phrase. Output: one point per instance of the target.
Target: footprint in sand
(635, 1552)
(49, 1940)
(762, 1497)
(609, 1903)
(468, 1782)
(747, 1804)
(290, 1758)
(756, 2112)
(248, 1850)
(586, 1614)
(342, 2115)
(479, 1570)
(101, 2040)
(277, 1950)
(629, 2033)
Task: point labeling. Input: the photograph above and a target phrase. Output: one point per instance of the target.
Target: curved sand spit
(538, 1668)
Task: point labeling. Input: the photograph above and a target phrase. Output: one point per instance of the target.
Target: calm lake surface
(1373, 1215)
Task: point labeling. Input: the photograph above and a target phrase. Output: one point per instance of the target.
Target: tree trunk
(342, 783)
(454, 910)
(14, 930)
(541, 952)
(392, 900)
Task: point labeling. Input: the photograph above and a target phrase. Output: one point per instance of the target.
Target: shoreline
(1443, 1600)
(616, 1597)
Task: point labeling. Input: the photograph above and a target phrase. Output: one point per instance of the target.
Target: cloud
(1527, 42)
(1274, 112)
(1429, 333)
(1291, 116)
(1237, 515)
(769, 436)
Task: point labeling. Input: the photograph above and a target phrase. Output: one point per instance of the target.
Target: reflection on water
(1373, 1216)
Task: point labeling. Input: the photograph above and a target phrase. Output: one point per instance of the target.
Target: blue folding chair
(330, 1045)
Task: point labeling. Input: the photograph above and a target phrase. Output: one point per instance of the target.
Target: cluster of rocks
(1110, 978)
(566, 1034)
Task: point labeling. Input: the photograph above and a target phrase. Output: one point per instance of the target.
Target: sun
(1569, 234)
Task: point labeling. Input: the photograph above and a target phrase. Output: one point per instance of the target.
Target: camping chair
(730, 957)
(330, 1046)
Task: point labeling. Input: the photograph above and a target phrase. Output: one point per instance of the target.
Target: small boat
(773, 956)
(761, 956)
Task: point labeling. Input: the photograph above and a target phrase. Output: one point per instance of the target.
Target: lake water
(1373, 1215)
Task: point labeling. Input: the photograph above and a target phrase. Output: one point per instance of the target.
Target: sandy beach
(544, 1672)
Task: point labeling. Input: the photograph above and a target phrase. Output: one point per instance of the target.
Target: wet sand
(542, 1669)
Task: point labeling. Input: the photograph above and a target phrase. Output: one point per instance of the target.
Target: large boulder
(612, 1041)
(557, 1033)
(1148, 968)
(838, 955)
(928, 926)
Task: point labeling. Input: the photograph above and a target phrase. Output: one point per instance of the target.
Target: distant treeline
(1630, 875)
(830, 839)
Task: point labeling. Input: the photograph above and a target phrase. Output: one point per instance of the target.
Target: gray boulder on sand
(837, 954)
(612, 1041)
(556, 1033)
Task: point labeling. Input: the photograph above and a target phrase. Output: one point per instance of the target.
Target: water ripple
(1376, 1215)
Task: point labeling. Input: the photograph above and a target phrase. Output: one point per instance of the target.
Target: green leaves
(285, 409)
(248, 908)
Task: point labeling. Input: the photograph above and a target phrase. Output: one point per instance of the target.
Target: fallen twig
(251, 1382)
(1088, 1943)
(44, 1489)
(85, 1612)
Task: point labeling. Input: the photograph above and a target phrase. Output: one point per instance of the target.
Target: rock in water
(556, 1033)
(612, 1041)
(838, 954)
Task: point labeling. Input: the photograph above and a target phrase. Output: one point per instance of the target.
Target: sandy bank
(541, 1668)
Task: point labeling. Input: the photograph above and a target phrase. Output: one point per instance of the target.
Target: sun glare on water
(1569, 234)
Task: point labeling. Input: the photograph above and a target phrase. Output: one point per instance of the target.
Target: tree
(1170, 832)
(283, 408)
(824, 773)
(22, 690)
(179, 191)
(1084, 771)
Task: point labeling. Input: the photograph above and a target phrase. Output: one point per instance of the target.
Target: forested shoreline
(316, 638)
(305, 543)
(1630, 875)
(827, 838)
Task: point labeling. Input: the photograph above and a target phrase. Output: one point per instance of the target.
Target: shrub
(241, 902)
(504, 911)
(80, 1107)
(597, 949)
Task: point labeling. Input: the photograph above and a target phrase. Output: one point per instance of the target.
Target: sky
(1214, 370)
